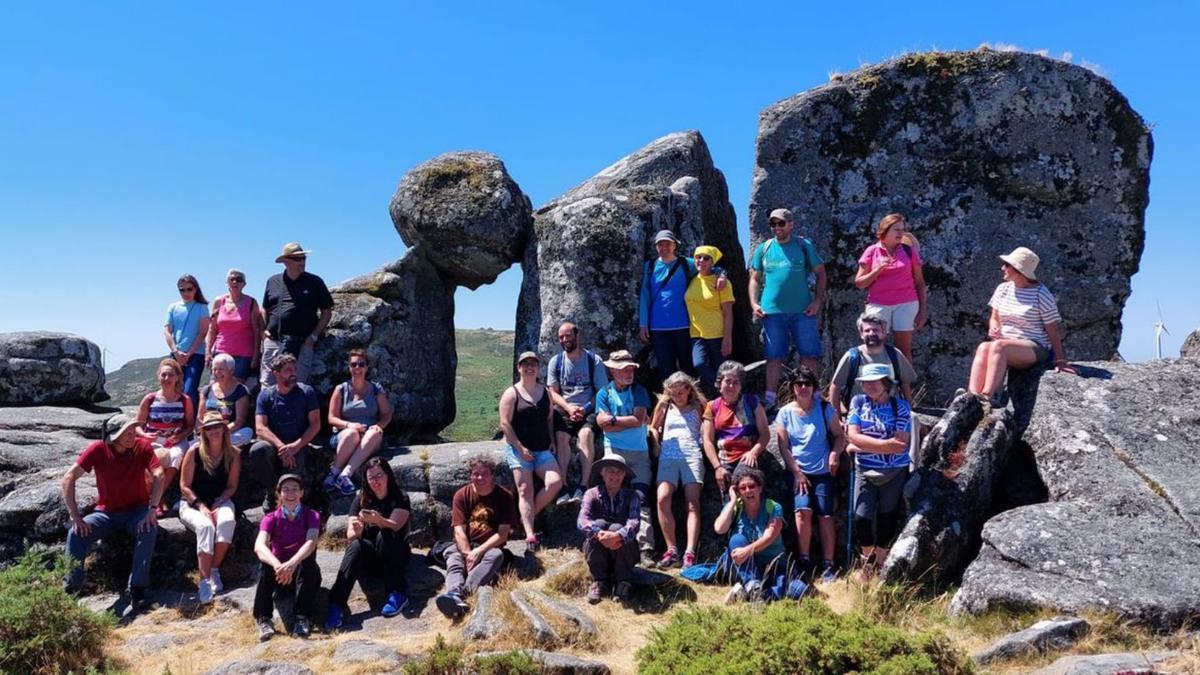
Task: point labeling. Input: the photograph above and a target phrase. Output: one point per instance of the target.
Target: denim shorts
(542, 459)
(783, 331)
(822, 493)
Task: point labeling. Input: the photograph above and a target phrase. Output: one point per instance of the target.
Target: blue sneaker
(828, 574)
(396, 602)
(333, 618)
(345, 485)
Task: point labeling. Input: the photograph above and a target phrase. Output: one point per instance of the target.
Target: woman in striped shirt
(1022, 329)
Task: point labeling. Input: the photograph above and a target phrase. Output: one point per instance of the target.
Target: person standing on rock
(574, 377)
(167, 419)
(609, 519)
(287, 417)
(359, 411)
(287, 548)
(780, 297)
(528, 426)
(296, 308)
(207, 483)
(878, 432)
(236, 328)
(482, 516)
(710, 317)
(675, 428)
(124, 501)
(185, 330)
(735, 427)
(228, 397)
(621, 413)
(890, 271)
(873, 330)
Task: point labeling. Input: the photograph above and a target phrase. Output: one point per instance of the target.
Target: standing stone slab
(483, 623)
(1129, 663)
(543, 632)
(40, 367)
(567, 611)
(1051, 634)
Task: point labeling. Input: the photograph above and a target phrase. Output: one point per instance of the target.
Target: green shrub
(508, 663)
(446, 658)
(788, 637)
(42, 628)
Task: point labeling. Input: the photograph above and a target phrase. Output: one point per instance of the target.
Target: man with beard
(287, 417)
(872, 329)
(574, 377)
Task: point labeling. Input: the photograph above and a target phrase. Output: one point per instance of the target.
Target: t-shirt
(753, 529)
(482, 514)
(876, 420)
(1024, 312)
(226, 405)
(661, 305)
(120, 477)
(384, 506)
(184, 320)
(704, 303)
(895, 285)
(735, 426)
(784, 269)
(842, 376)
(287, 414)
(287, 536)
(572, 378)
(808, 435)
(681, 435)
(292, 305)
(621, 403)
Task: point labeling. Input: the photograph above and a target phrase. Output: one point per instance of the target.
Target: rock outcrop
(43, 367)
(1190, 349)
(584, 262)
(982, 151)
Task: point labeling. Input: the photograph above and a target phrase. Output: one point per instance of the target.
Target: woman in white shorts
(675, 427)
(890, 271)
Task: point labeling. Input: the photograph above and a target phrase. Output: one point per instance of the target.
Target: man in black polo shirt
(296, 308)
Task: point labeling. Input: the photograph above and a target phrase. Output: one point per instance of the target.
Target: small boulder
(1191, 346)
(257, 667)
(40, 367)
(1050, 634)
(1127, 663)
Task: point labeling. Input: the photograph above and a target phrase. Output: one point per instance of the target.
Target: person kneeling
(756, 550)
(609, 517)
(286, 546)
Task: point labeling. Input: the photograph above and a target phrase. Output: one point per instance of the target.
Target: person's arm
(725, 518)
(994, 325)
(497, 540)
(68, 495)
(755, 289)
(306, 549)
(394, 521)
(629, 530)
(264, 433)
(335, 409)
(584, 522)
(508, 405)
(241, 413)
(262, 549)
(384, 404)
(867, 276)
(1060, 355)
(557, 400)
(314, 428)
(170, 340)
(265, 316)
(322, 322)
(210, 336)
(922, 292)
(708, 436)
(656, 424)
(819, 297)
(258, 325)
(201, 332)
(460, 539)
(785, 451)
(839, 443)
(156, 490)
(186, 473)
(764, 433)
(354, 527)
(769, 535)
(884, 446)
(727, 328)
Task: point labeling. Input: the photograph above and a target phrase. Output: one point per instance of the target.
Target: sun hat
(126, 423)
(1023, 260)
(665, 235)
(781, 214)
(610, 460)
(287, 477)
(710, 251)
(620, 359)
(212, 419)
(875, 371)
(290, 250)
(528, 355)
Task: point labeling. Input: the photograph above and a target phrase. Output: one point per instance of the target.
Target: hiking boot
(736, 594)
(302, 627)
(450, 605)
(689, 559)
(204, 592)
(333, 618)
(396, 602)
(345, 486)
(754, 590)
(215, 578)
(670, 559)
(621, 592)
(828, 574)
(266, 629)
(595, 592)
(577, 495)
(648, 560)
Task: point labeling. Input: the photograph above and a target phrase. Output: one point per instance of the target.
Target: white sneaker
(215, 580)
(735, 594)
(204, 592)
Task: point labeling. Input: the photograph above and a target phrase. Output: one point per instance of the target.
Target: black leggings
(378, 551)
(879, 532)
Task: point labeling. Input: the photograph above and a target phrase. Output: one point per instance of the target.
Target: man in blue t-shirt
(287, 417)
(779, 270)
(621, 413)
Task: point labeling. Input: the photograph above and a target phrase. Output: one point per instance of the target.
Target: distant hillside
(484, 370)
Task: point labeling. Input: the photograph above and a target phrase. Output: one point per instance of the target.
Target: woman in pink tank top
(890, 271)
(236, 327)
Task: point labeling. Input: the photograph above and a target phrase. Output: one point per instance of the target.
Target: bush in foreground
(789, 637)
(446, 658)
(42, 628)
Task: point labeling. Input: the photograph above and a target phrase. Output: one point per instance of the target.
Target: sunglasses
(189, 289)
(298, 258)
(778, 223)
(358, 364)
(237, 280)
(810, 385)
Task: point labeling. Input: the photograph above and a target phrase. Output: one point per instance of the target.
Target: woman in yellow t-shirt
(710, 318)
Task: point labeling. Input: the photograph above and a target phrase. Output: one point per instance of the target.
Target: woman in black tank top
(526, 422)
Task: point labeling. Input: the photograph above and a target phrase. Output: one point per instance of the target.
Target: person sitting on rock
(890, 271)
(756, 552)
(236, 328)
(124, 502)
(167, 420)
(359, 411)
(873, 330)
(609, 519)
(621, 413)
(878, 433)
(287, 547)
(287, 417)
(1023, 329)
(779, 270)
(574, 377)
(710, 317)
(296, 309)
(185, 330)
(675, 428)
(482, 516)
(528, 426)
(805, 427)
(735, 427)
(377, 532)
(208, 481)
(228, 397)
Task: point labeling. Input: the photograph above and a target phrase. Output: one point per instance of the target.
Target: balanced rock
(43, 367)
(1191, 346)
(982, 152)
(469, 214)
(585, 260)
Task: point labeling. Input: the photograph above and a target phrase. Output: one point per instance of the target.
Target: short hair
(223, 361)
(753, 474)
(574, 327)
(734, 368)
(484, 460)
(871, 317)
(802, 374)
(886, 223)
(358, 351)
(280, 361)
(235, 271)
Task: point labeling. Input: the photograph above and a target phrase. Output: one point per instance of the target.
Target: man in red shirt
(125, 501)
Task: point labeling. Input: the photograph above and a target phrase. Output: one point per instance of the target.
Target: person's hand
(575, 413)
(850, 447)
(473, 558)
(526, 454)
(758, 310)
(81, 527)
(207, 359)
(376, 428)
(720, 474)
(750, 459)
(207, 512)
(149, 522)
(994, 332)
(834, 463)
(283, 574)
(884, 261)
(645, 333)
(813, 307)
(740, 554)
(919, 322)
(733, 495)
(181, 357)
(358, 426)
(801, 484)
(1062, 366)
(726, 345)
(721, 281)
(613, 542)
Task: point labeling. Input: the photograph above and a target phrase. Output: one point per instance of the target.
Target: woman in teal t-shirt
(756, 550)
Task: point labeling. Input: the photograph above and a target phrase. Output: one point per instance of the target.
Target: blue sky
(141, 141)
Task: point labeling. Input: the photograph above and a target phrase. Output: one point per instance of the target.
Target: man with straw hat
(609, 519)
(296, 308)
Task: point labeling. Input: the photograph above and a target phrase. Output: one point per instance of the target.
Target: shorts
(1044, 355)
(639, 464)
(564, 425)
(681, 471)
(542, 459)
(784, 331)
(901, 317)
(175, 452)
(822, 493)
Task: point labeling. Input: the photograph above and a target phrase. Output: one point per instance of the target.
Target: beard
(872, 341)
(568, 345)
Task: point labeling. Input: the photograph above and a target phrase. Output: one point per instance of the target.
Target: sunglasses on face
(298, 258)
(703, 257)
(189, 289)
(778, 223)
(236, 280)
(358, 364)
(810, 385)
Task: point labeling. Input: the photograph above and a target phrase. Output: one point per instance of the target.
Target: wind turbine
(1159, 329)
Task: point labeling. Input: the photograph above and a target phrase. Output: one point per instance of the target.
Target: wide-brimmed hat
(665, 235)
(1024, 261)
(710, 251)
(875, 371)
(212, 419)
(529, 355)
(781, 214)
(621, 359)
(291, 249)
(118, 425)
(610, 460)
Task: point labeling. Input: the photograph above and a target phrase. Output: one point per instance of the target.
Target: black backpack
(591, 363)
(855, 357)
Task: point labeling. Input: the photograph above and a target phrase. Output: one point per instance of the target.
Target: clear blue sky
(141, 141)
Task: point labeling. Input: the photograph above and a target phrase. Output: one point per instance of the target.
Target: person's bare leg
(587, 453)
(825, 525)
(773, 374)
(524, 482)
(562, 451)
(551, 484)
(804, 531)
(666, 519)
(371, 442)
(691, 492)
(903, 342)
(219, 551)
(979, 368)
(1008, 354)
(205, 562)
(348, 442)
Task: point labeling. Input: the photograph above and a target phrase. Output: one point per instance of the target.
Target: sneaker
(138, 599)
(330, 481)
(828, 574)
(215, 579)
(754, 590)
(648, 560)
(577, 495)
(204, 591)
(670, 559)
(396, 602)
(302, 628)
(736, 594)
(345, 485)
(532, 545)
(595, 592)
(689, 559)
(621, 592)
(266, 629)
(450, 605)
(333, 618)
(563, 497)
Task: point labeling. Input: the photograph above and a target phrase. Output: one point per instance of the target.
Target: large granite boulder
(584, 262)
(403, 315)
(467, 211)
(43, 367)
(982, 151)
(1119, 454)
(1190, 349)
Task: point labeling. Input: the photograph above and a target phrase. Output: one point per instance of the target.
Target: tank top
(681, 434)
(235, 328)
(166, 418)
(209, 486)
(530, 421)
(226, 405)
(363, 410)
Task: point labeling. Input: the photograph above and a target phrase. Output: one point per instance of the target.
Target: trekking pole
(850, 517)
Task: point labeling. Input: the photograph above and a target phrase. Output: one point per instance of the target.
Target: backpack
(591, 363)
(647, 279)
(855, 358)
